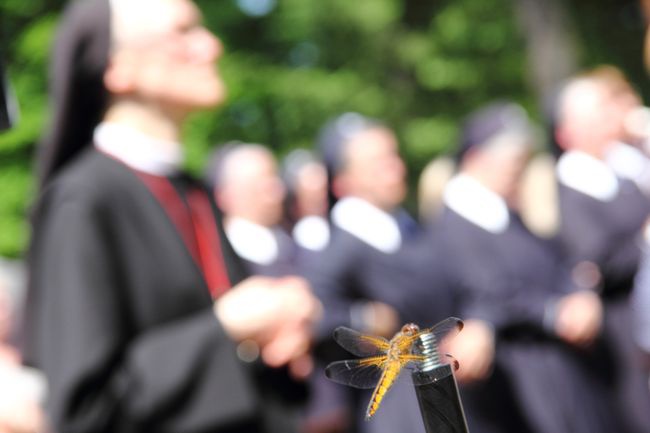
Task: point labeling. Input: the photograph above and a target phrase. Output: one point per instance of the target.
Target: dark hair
(78, 97)
(488, 122)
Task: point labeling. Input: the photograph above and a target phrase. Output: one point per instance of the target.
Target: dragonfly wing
(360, 344)
(358, 373)
(444, 329)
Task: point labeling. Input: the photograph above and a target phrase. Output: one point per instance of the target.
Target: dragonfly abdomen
(387, 379)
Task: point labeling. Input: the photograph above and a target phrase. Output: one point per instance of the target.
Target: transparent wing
(358, 373)
(443, 365)
(442, 330)
(360, 344)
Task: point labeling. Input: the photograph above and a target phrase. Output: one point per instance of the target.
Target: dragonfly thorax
(410, 329)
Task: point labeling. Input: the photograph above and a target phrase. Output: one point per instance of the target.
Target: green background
(418, 65)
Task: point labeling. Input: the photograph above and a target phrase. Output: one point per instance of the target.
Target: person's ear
(473, 157)
(340, 186)
(118, 77)
(223, 200)
(561, 137)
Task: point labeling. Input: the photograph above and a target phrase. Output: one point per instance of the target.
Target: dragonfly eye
(410, 329)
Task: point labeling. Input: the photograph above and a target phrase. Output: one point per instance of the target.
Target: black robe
(608, 234)
(510, 279)
(120, 318)
(286, 262)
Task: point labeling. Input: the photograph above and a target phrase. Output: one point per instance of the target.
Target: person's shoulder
(90, 177)
(343, 241)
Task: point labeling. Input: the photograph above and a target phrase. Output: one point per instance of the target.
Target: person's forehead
(370, 142)
(249, 162)
(134, 19)
(584, 98)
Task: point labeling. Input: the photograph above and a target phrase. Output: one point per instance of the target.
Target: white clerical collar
(372, 225)
(312, 232)
(138, 150)
(471, 200)
(588, 175)
(252, 241)
(628, 162)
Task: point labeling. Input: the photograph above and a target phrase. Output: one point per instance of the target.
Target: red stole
(196, 223)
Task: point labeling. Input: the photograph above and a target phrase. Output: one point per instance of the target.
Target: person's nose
(205, 47)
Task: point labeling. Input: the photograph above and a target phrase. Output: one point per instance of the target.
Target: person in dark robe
(371, 276)
(601, 219)
(626, 155)
(526, 323)
(306, 207)
(248, 189)
(139, 312)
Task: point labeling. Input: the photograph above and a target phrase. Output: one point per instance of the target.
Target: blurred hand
(24, 417)
(277, 314)
(380, 319)
(473, 348)
(579, 318)
(586, 275)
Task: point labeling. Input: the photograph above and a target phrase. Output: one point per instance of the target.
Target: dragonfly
(383, 360)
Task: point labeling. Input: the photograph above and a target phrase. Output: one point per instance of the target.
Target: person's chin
(208, 99)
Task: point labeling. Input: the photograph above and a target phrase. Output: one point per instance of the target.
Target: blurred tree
(612, 31)
(25, 33)
(293, 64)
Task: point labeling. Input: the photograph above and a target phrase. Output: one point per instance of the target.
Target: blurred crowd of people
(159, 302)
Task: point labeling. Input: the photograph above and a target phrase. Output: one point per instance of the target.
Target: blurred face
(311, 190)
(373, 169)
(164, 56)
(625, 104)
(588, 120)
(5, 314)
(251, 188)
(499, 167)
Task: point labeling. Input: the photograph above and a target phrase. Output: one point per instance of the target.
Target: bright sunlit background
(292, 64)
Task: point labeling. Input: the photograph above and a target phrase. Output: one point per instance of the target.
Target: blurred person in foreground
(305, 178)
(248, 189)
(139, 312)
(526, 323)
(601, 219)
(372, 277)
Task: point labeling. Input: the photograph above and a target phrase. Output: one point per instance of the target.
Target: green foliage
(613, 33)
(419, 66)
(290, 71)
(26, 28)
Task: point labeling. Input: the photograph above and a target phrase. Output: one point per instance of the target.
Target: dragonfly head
(410, 329)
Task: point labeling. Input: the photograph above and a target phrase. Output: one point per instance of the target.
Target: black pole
(5, 110)
(437, 392)
(7, 101)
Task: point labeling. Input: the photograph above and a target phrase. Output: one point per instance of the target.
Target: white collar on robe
(312, 232)
(588, 175)
(367, 222)
(138, 150)
(628, 162)
(482, 207)
(251, 241)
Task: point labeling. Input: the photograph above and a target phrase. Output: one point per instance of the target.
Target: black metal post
(437, 392)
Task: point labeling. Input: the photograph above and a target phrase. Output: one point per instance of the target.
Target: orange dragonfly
(383, 360)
